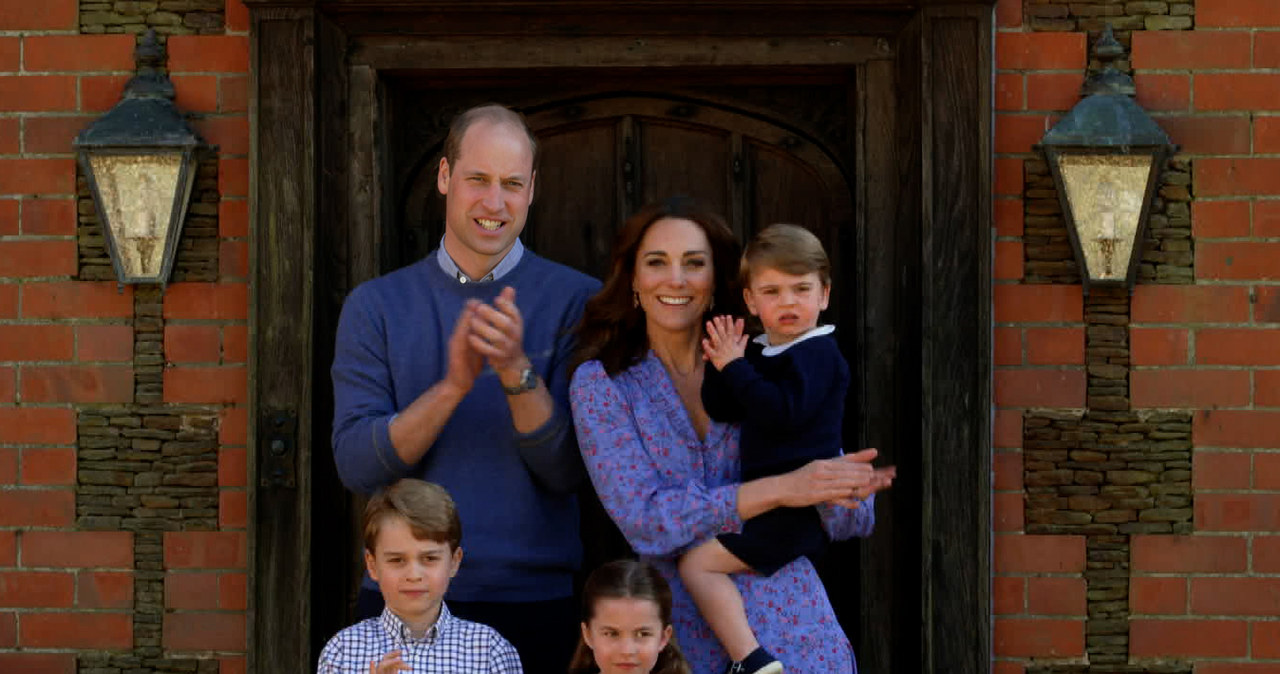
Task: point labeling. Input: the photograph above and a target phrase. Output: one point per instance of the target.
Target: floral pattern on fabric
(668, 490)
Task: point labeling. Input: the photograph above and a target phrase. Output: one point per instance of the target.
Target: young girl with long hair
(626, 623)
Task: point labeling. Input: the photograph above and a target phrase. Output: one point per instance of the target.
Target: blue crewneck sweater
(514, 492)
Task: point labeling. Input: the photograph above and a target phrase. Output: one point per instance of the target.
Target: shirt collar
(400, 631)
(763, 339)
(505, 265)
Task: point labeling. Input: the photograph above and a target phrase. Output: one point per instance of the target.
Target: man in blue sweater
(452, 370)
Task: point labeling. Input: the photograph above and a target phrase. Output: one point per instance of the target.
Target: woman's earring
(635, 299)
(711, 306)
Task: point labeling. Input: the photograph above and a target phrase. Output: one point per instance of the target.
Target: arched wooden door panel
(601, 159)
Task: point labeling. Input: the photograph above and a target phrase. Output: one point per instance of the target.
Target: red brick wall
(1210, 599)
(67, 345)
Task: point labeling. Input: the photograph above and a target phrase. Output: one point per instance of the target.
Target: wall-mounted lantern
(140, 160)
(1106, 156)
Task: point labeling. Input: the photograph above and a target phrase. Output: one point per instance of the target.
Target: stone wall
(167, 17)
(1124, 16)
(147, 469)
(1107, 473)
(1108, 476)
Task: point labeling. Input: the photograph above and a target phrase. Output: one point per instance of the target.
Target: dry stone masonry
(167, 17)
(1124, 16)
(146, 469)
(1107, 473)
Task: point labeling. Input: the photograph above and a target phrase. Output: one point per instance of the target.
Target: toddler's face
(626, 635)
(787, 304)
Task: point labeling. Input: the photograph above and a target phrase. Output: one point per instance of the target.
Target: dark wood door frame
(923, 188)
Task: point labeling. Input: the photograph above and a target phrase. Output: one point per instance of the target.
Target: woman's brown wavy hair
(612, 329)
(628, 579)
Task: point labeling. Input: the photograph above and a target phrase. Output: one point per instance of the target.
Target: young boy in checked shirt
(411, 536)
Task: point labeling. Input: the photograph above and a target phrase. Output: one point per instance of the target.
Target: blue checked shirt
(451, 646)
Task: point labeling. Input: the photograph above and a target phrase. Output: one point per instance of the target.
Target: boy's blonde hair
(790, 249)
(426, 506)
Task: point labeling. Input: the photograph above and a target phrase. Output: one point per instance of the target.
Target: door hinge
(278, 448)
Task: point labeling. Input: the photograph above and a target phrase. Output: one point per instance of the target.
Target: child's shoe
(757, 662)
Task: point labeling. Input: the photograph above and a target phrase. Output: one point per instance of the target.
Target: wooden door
(601, 159)
(351, 102)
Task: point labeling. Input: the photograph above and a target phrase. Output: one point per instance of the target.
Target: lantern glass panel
(136, 193)
(1105, 193)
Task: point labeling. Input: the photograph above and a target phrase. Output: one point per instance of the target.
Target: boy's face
(412, 574)
(788, 305)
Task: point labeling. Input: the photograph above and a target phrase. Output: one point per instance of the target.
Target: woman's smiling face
(674, 278)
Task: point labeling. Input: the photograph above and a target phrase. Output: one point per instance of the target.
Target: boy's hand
(389, 664)
(724, 342)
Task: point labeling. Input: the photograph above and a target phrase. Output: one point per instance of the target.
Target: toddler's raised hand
(724, 342)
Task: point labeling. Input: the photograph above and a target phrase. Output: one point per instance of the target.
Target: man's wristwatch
(528, 382)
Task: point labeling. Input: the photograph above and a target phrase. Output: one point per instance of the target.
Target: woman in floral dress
(666, 473)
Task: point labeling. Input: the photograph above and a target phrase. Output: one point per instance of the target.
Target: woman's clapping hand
(845, 481)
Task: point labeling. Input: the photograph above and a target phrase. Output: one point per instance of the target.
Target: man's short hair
(492, 113)
(791, 249)
(426, 506)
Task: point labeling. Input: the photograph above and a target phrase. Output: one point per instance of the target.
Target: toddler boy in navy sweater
(787, 389)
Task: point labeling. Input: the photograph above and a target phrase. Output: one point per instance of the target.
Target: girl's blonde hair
(628, 579)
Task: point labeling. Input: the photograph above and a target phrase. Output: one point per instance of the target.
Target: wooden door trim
(472, 52)
(956, 320)
(282, 200)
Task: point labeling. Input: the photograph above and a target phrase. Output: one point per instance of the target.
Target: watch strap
(528, 382)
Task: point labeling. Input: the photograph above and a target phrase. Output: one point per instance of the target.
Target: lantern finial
(150, 81)
(1108, 80)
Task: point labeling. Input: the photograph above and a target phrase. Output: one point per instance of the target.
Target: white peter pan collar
(769, 350)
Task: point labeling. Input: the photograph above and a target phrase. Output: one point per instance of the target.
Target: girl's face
(626, 635)
(674, 278)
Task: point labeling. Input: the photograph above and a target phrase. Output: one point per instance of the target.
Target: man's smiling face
(487, 195)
